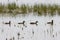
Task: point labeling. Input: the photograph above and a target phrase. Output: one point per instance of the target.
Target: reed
(52, 9)
(44, 9)
(58, 10)
(11, 6)
(29, 9)
(23, 9)
(40, 9)
(1, 8)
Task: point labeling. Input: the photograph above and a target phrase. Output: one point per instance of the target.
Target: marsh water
(42, 31)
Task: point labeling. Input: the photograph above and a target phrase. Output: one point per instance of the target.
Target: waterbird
(50, 22)
(8, 23)
(22, 23)
(34, 22)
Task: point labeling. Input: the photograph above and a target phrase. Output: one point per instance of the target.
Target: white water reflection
(42, 31)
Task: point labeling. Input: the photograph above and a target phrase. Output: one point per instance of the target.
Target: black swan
(8, 23)
(50, 22)
(22, 22)
(34, 22)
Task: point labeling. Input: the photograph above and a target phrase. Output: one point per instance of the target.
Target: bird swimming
(50, 22)
(22, 23)
(34, 22)
(8, 23)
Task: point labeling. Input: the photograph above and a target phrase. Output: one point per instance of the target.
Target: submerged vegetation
(40, 9)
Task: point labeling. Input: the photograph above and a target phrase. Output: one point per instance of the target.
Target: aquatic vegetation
(12, 6)
(44, 9)
(40, 9)
(35, 8)
(58, 10)
(52, 9)
(39, 13)
(1, 8)
(29, 9)
(23, 9)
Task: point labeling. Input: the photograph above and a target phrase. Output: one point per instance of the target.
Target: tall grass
(38, 9)
(41, 9)
(29, 9)
(52, 9)
(12, 6)
(1, 8)
(23, 9)
(58, 10)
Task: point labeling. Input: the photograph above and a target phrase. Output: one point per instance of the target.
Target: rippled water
(42, 31)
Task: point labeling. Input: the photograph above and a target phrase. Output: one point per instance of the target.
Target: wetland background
(40, 12)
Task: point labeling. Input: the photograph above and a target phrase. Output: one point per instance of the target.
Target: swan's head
(36, 21)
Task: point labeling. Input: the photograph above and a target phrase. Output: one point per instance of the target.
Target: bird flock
(23, 23)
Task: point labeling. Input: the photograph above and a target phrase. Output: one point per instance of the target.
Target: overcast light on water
(27, 31)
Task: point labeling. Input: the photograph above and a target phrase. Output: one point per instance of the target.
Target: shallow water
(42, 31)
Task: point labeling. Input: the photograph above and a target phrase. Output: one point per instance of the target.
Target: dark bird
(8, 23)
(34, 22)
(22, 23)
(50, 22)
